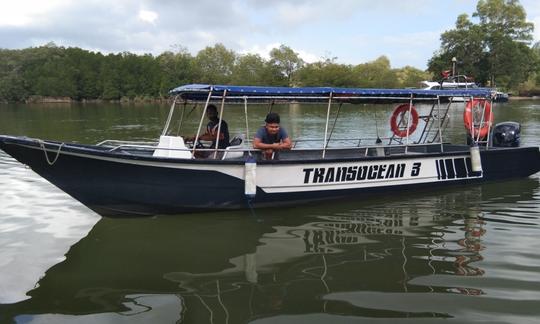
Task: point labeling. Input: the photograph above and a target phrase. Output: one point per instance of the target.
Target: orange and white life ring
(413, 122)
(478, 131)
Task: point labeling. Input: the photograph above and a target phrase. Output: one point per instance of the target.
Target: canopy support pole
(408, 123)
(220, 120)
(471, 130)
(326, 127)
(247, 123)
(440, 122)
(200, 123)
(171, 111)
(488, 138)
(482, 121)
(181, 118)
(334, 125)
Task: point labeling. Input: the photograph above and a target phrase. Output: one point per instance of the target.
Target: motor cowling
(506, 134)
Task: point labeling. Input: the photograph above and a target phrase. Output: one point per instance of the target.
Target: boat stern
(500, 163)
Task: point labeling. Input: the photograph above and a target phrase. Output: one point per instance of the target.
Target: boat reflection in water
(407, 258)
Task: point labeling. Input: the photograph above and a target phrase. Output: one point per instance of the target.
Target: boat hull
(114, 184)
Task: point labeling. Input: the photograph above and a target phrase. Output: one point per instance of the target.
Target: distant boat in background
(500, 96)
(454, 83)
(447, 85)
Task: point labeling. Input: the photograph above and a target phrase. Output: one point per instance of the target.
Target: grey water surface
(459, 254)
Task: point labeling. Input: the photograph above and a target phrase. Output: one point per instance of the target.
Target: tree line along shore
(54, 73)
(493, 46)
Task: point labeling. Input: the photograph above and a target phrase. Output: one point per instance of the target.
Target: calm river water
(462, 254)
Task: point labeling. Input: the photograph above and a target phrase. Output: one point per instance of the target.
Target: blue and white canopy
(199, 92)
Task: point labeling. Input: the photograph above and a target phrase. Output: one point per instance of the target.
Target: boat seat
(237, 140)
(236, 144)
(172, 147)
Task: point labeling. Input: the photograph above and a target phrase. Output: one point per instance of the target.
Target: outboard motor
(506, 134)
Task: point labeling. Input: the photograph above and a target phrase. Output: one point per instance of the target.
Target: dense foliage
(53, 71)
(495, 50)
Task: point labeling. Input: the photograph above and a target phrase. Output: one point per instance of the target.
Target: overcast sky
(354, 31)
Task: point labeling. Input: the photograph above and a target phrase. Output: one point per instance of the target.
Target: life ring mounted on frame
(400, 114)
(474, 106)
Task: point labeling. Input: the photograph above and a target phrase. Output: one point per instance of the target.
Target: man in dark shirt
(212, 129)
(271, 137)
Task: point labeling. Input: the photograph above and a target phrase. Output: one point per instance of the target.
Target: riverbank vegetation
(495, 50)
(54, 71)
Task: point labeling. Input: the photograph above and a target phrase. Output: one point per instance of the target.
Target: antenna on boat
(378, 141)
(271, 106)
(334, 125)
(182, 116)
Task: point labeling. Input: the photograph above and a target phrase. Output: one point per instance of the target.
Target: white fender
(250, 177)
(476, 161)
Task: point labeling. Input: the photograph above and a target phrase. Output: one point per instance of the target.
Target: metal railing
(357, 147)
